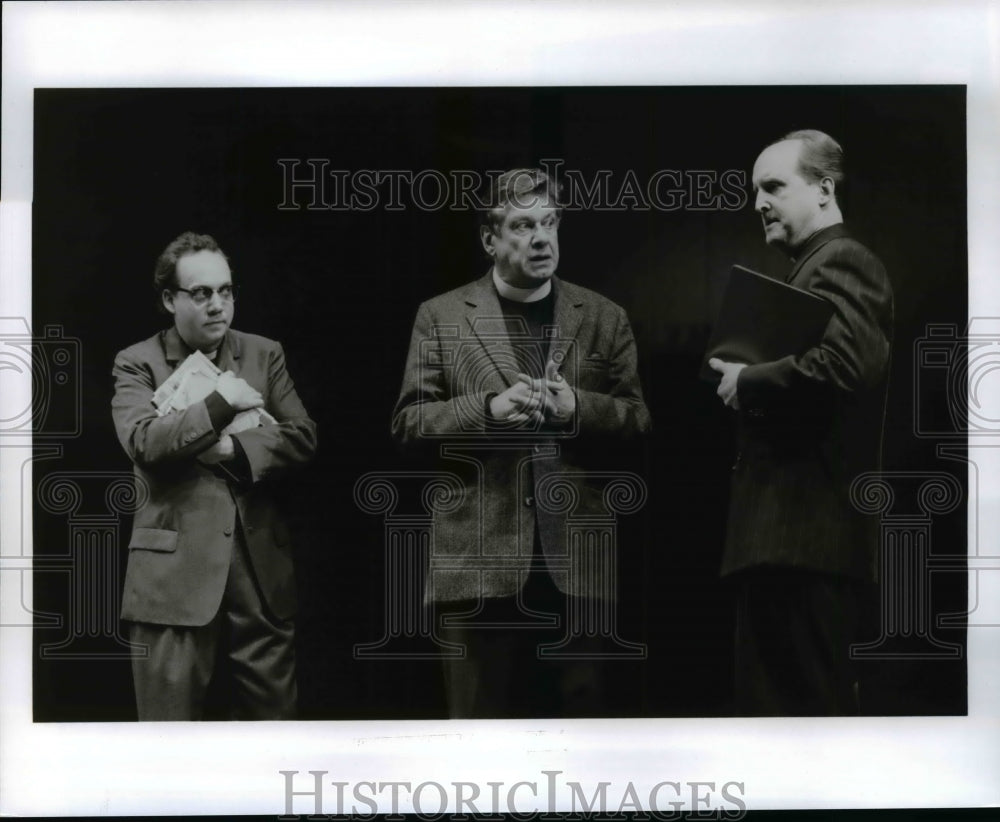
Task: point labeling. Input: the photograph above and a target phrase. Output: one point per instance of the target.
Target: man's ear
(488, 238)
(827, 190)
(168, 300)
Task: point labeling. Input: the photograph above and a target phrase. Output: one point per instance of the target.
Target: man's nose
(541, 235)
(215, 302)
(761, 202)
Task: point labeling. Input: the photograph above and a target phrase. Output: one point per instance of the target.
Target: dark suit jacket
(459, 353)
(182, 535)
(810, 424)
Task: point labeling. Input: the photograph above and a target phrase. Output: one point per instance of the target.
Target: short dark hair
(821, 156)
(522, 187)
(165, 272)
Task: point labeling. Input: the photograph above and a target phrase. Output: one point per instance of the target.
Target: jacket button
(228, 531)
(529, 501)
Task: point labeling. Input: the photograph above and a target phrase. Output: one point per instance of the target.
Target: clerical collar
(521, 295)
(213, 355)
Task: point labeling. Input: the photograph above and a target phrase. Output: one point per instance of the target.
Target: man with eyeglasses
(210, 567)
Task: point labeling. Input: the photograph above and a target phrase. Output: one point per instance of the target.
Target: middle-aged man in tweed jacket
(523, 386)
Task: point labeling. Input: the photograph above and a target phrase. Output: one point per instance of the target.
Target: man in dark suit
(810, 423)
(525, 387)
(210, 566)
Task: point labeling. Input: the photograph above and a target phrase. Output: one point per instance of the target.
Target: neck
(825, 220)
(521, 295)
(211, 353)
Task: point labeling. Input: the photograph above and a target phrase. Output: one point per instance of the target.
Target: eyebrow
(527, 218)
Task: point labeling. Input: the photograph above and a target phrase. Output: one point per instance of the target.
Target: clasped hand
(242, 397)
(238, 392)
(547, 399)
(222, 451)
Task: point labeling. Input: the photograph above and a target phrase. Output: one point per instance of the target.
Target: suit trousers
(504, 675)
(794, 629)
(258, 650)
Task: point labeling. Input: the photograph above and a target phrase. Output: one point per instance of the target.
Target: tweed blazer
(511, 480)
(182, 535)
(810, 424)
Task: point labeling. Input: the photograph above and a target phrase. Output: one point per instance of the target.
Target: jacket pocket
(595, 361)
(153, 539)
(594, 373)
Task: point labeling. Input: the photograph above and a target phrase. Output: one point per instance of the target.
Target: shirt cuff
(220, 412)
(240, 463)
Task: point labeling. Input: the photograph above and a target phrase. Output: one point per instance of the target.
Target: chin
(214, 338)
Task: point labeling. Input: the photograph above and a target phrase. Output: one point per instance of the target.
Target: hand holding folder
(762, 319)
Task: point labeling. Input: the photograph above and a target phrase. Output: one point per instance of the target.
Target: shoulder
(587, 299)
(845, 269)
(145, 351)
(463, 295)
(842, 262)
(254, 343)
(847, 250)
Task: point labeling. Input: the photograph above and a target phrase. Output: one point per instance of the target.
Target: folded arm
(272, 448)
(150, 439)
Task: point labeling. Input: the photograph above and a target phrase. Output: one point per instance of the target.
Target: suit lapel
(229, 354)
(484, 320)
(813, 244)
(568, 317)
(174, 349)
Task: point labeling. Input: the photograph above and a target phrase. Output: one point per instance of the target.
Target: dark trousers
(794, 629)
(505, 674)
(171, 683)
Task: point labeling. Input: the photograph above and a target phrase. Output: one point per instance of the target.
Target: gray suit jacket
(182, 536)
(510, 480)
(810, 424)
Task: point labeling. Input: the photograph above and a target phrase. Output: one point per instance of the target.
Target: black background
(120, 173)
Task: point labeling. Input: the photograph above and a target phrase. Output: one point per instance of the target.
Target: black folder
(762, 319)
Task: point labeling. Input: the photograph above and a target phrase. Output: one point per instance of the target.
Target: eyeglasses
(202, 293)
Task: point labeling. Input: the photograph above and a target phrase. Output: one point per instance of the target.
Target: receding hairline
(798, 156)
(801, 143)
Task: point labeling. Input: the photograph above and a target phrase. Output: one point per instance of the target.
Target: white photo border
(209, 768)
